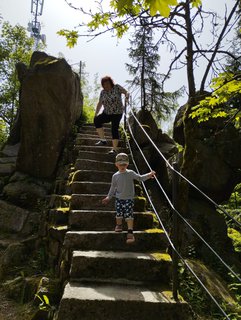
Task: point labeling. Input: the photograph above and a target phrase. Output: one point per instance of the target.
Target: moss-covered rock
(139, 204)
(236, 238)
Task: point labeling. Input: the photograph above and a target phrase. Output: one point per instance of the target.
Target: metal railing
(177, 215)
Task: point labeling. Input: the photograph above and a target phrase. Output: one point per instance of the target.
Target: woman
(110, 99)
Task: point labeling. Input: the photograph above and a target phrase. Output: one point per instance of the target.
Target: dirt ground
(10, 310)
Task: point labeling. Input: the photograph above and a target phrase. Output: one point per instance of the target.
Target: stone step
(94, 148)
(90, 202)
(92, 141)
(93, 135)
(85, 164)
(90, 187)
(148, 240)
(93, 176)
(58, 216)
(6, 168)
(104, 301)
(98, 156)
(94, 202)
(92, 126)
(91, 131)
(105, 220)
(121, 266)
(8, 160)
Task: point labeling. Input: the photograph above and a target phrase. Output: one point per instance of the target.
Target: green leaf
(163, 6)
(46, 299)
(196, 3)
(71, 37)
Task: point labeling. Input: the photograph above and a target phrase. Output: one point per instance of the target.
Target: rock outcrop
(212, 154)
(50, 103)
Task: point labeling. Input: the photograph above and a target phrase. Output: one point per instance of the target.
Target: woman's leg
(115, 122)
(98, 122)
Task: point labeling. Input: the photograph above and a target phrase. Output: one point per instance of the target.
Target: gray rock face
(212, 155)
(50, 103)
(15, 219)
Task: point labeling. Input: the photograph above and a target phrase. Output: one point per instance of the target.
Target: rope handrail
(179, 214)
(182, 176)
(165, 231)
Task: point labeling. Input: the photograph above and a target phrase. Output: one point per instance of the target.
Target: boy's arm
(111, 191)
(143, 177)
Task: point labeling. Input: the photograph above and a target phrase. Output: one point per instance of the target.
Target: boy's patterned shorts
(124, 208)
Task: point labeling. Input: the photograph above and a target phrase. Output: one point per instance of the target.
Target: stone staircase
(109, 279)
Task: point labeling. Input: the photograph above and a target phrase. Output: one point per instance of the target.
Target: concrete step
(105, 220)
(148, 240)
(85, 164)
(92, 141)
(103, 301)
(121, 266)
(94, 148)
(82, 187)
(93, 176)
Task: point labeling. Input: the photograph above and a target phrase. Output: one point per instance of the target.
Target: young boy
(122, 187)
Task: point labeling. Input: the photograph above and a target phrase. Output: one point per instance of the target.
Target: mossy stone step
(92, 141)
(98, 156)
(105, 301)
(90, 187)
(86, 164)
(148, 240)
(134, 266)
(94, 220)
(94, 135)
(92, 175)
(58, 216)
(94, 202)
(101, 149)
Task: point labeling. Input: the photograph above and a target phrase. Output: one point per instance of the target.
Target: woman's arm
(125, 92)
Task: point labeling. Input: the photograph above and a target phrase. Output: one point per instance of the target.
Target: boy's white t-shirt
(122, 184)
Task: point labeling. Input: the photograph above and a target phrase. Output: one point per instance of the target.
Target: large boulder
(50, 103)
(212, 155)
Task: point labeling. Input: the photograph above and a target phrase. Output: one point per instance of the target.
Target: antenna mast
(34, 26)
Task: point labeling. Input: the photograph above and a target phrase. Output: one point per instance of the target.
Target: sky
(105, 55)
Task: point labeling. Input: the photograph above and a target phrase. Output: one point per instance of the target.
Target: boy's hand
(152, 174)
(106, 200)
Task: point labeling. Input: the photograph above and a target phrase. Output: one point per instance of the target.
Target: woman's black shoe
(101, 143)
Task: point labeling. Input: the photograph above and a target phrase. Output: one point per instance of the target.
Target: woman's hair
(107, 79)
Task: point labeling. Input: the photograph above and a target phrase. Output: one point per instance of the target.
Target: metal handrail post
(175, 281)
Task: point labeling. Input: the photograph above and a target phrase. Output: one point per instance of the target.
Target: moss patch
(236, 238)
(161, 256)
(154, 230)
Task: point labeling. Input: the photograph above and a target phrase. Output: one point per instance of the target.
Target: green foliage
(236, 238)
(71, 37)
(155, 6)
(224, 100)
(90, 96)
(45, 305)
(15, 46)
